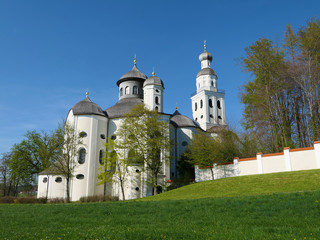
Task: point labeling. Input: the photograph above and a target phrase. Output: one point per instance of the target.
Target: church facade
(95, 126)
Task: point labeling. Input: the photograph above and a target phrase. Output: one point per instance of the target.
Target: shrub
(26, 200)
(56, 200)
(99, 198)
(7, 199)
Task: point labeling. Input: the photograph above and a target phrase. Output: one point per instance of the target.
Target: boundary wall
(288, 160)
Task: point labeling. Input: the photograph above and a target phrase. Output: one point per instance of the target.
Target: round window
(102, 136)
(137, 188)
(184, 143)
(80, 176)
(83, 134)
(45, 180)
(58, 179)
(114, 137)
(137, 170)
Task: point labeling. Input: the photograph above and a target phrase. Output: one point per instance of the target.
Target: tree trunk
(122, 190)
(68, 191)
(155, 184)
(212, 174)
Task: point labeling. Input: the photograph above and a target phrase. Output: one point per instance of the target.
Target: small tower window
(201, 116)
(211, 83)
(157, 100)
(157, 90)
(210, 103)
(218, 104)
(127, 90)
(195, 106)
(201, 103)
(121, 92)
(135, 90)
(157, 109)
(82, 156)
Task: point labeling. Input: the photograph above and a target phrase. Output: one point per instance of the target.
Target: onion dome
(87, 107)
(179, 120)
(153, 80)
(133, 74)
(206, 71)
(205, 55)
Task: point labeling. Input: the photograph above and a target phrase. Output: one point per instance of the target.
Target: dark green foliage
(100, 198)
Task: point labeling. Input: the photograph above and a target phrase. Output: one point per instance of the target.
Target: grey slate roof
(122, 107)
(50, 171)
(179, 120)
(134, 73)
(206, 71)
(205, 56)
(87, 107)
(153, 80)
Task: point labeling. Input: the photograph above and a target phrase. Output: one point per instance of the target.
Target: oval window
(201, 103)
(45, 180)
(157, 100)
(58, 180)
(82, 156)
(201, 116)
(114, 137)
(83, 134)
(137, 170)
(137, 189)
(184, 143)
(195, 106)
(102, 136)
(80, 176)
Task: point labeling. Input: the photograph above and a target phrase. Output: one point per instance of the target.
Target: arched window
(210, 103)
(121, 92)
(218, 104)
(135, 90)
(195, 106)
(157, 100)
(82, 156)
(127, 90)
(100, 156)
(201, 103)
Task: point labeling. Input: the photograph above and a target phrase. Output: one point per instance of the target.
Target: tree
(113, 168)
(32, 155)
(5, 180)
(147, 136)
(67, 162)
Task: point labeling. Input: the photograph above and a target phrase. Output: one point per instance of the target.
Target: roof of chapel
(134, 73)
(122, 107)
(179, 120)
(206, 71)
(87, 107)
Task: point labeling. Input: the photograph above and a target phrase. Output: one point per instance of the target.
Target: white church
(95, 126)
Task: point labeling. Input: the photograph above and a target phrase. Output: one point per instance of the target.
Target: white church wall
(294, 160)
(42, 186)
(56, 189)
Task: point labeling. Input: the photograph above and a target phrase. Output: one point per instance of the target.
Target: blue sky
(51, 52)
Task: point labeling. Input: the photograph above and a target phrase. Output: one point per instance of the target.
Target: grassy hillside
(246, 186)
(234, 208)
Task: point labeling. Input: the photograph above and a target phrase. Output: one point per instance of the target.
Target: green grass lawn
(251, 212)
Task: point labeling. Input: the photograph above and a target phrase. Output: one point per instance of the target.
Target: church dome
(153, 80)
(87, 107)
(206, 71)
(182, 121)
(205, 56)
(134, 73)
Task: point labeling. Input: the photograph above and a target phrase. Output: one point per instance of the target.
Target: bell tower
(208, 102)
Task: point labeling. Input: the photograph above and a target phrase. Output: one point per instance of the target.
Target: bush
(7, 199)
(99, 198)
(56, 200)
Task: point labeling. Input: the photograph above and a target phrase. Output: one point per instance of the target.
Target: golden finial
(153, 73)
(205, 45)
(135, 59)
(176, 105)
(87, 93)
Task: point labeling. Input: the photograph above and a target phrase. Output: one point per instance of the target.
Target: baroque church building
(95, 126)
